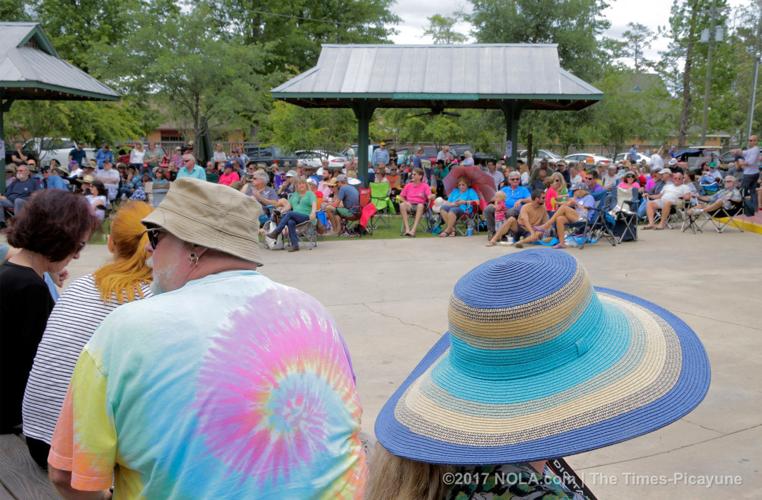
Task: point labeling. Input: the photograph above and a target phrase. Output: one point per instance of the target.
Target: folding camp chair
(468, 220)
(598, 224)
(352, 226)
(379, 196)
(724, 217)
(429, 220)
(307, 234)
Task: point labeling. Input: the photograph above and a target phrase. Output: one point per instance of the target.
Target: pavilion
(30, 68)
(508, 77)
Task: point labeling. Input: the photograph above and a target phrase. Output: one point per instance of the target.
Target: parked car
(45, 149)
(588, 159)
(269, 155)
(315, 158)
(459, 149)
(539, 155)
(641, 158)
(693, 156)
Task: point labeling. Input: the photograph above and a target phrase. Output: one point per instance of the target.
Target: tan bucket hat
(212, 216)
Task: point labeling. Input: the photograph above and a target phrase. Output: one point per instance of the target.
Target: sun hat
(311, 181)
(537, 364)
(291, 173)
(665, 171)
(88, 179)
(62, 170)
(210, 215)
(331, 182)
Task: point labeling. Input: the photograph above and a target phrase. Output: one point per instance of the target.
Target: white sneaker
(509, 240)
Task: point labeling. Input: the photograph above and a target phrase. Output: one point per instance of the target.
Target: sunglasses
(154, 236)
(513, 179)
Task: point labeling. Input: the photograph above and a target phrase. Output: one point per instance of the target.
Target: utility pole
(709, 35)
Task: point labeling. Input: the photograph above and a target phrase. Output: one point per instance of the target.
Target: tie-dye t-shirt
(232, 386)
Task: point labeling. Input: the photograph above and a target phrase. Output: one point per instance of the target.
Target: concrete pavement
(390, 297)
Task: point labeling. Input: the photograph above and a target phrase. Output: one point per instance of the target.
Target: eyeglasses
(154, 236)
(513, 179)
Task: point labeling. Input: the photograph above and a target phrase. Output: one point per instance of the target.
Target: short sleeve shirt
(349, 197)
(514, 195)
(232, 386)
(467, 195)
(302, 204)
(416, 194)
(197, 172)
(751, 157)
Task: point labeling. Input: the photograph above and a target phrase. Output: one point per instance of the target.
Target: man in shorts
(522, 228)
(346, 203)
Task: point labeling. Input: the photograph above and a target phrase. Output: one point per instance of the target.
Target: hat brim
(191, 231)
(649, 371)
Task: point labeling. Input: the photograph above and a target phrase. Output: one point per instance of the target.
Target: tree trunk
(687, 98)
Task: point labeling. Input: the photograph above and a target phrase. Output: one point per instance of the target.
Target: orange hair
(120, 279)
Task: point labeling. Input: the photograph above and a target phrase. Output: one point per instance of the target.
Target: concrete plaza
(390, 297)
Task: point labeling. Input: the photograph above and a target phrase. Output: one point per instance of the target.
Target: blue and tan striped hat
(537, 363)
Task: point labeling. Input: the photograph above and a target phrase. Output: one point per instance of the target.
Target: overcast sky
(413, 14)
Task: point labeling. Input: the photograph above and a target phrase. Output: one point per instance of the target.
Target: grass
(389, 229)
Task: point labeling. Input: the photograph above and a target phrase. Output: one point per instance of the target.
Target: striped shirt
(76, 315)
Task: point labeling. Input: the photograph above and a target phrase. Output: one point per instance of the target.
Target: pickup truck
(269, 154)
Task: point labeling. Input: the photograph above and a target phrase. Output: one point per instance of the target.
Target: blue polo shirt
(198, 172)
(514, 195)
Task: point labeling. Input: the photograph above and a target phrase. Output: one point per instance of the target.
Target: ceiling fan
(437, 110)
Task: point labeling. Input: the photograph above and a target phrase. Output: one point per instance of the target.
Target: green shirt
(302, 204)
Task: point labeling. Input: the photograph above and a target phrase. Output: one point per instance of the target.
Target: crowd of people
(176, 370)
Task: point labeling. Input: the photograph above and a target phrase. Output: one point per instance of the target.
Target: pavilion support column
(363, 113)
(512, 112)
(5, 106)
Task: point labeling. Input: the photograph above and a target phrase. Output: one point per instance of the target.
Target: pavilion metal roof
(31, 69)
(453, 76)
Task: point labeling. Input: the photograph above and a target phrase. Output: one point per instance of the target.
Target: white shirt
(137, 156)
(673, 193)
(751, 157)
(657, 162)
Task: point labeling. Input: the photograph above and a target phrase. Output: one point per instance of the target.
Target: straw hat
(210, 215)
(538, 364)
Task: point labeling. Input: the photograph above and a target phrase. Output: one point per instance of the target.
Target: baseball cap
(291, 173)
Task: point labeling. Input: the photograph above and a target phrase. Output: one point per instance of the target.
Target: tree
(185, 62)
(293, 31)
(441, 30)
(575, 26)
(637, 40)
(292, 127)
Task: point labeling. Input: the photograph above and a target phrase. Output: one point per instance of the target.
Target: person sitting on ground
(303, 204)
(415, 196)
(97, 197)
(127, 277)
(49, 232)
(575, 210)
(18, 192)
(346, 203)
(557, 192)
(665, 200)
(461, 201)
(516, 195)
(523, 229)
(727, 198)
(228, 385)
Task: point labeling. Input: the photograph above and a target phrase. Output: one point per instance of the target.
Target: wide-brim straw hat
(539, 364)
(212, 216)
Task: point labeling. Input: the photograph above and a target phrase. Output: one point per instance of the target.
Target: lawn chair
(352, 225)
(307, 234)
(379, 196)
(598, 224)
(468, 220)
(724, 217)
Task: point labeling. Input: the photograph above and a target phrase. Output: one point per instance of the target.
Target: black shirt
(25, 304)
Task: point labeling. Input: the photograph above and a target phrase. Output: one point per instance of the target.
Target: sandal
(559, 246)
(490, 243)
(444, 234)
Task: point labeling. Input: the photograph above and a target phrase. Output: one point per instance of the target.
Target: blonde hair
(500, 195)
(393, 477)
(120, 279)
(559, 176)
